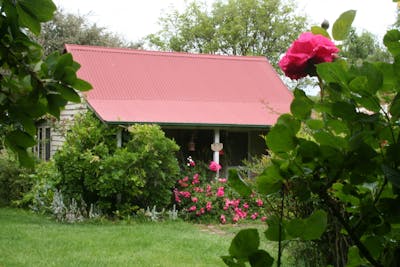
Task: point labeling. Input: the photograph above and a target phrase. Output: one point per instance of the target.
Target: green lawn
(31, 240)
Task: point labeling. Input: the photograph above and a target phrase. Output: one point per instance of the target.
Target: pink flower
(259, 202)
(254, 215)
(220, 191)
(195, 199)
(195, 179)
(202, 211)
(198, 189)
(186, 179)
(235, 218)
(222, 180)
(208, 206)
(192, 208)
(305, 52)
(176, 194)
(263, 219)
(185, 194)
(214, 166)
(245, 206)
(222, 219)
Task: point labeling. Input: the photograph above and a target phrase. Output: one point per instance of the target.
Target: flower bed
(202, 200)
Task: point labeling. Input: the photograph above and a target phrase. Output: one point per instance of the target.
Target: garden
(326, 195)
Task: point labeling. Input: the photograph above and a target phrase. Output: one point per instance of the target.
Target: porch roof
(180, 88)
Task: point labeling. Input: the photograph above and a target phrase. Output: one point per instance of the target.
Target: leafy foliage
(348, 161)
(31, 87)
(14, 180)
(238, 27)
(93, 168)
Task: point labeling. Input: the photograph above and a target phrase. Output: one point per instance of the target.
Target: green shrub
(95, 170)
(44, 180)
(14, 181)
(156, 158)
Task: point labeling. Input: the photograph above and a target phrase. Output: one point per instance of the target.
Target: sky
(134, 19)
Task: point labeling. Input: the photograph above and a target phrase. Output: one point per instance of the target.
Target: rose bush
(307, 51)
(204, 200)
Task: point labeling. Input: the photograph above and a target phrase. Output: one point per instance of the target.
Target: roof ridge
(123, 50)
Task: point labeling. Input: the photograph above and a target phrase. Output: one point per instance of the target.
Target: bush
(44, 180)
(93, 168)
(14, 181)
(156, 158)
(204, 200)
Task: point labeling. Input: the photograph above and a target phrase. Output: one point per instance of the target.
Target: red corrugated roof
(181, 88)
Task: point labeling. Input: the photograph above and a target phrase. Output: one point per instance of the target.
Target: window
(43, 147)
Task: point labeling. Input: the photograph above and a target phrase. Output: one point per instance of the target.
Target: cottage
(198, 99)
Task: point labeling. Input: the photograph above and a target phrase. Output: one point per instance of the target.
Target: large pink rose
(307, 51)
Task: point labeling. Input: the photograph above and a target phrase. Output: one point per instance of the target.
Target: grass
(27, 239)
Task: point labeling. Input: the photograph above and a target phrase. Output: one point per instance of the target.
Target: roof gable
(181, 88)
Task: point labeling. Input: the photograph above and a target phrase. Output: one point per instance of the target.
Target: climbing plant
(347, 165)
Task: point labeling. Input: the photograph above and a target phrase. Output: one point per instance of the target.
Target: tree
(31, 86)
(363, 47)
(234, 27)
(67, 28)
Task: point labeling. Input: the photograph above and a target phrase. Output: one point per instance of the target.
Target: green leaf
(301, 105)
(334, 72)
(290, 122)
(344, 110)
(320, 30)
(24, 158)
(328, 139)
(394, 108)
(314, 124)
(261, 258)
(270, 181)
(28, 20)
(81, 85)
(62, 62)
(392, 175)
(236, 182)
(342, 25)
(281, 139)
(272, 233)
(308, 150)
(310, 228)
(374, 244)
(21, 139)
(353, 257)
(392, 42)
(244, 244)
(42, 10)
(68, 93)
(55, 102)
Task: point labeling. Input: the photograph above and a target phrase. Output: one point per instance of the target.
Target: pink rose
(222, 219)
(259, 202)
(192, 208)
(195, 199)
(305, 52)
(214, 166)
(220, 191)
(254, 215)
(235, 218)
(263, 219)
(185, 194)
(222, 180)
(245, 206)
(208, 206)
